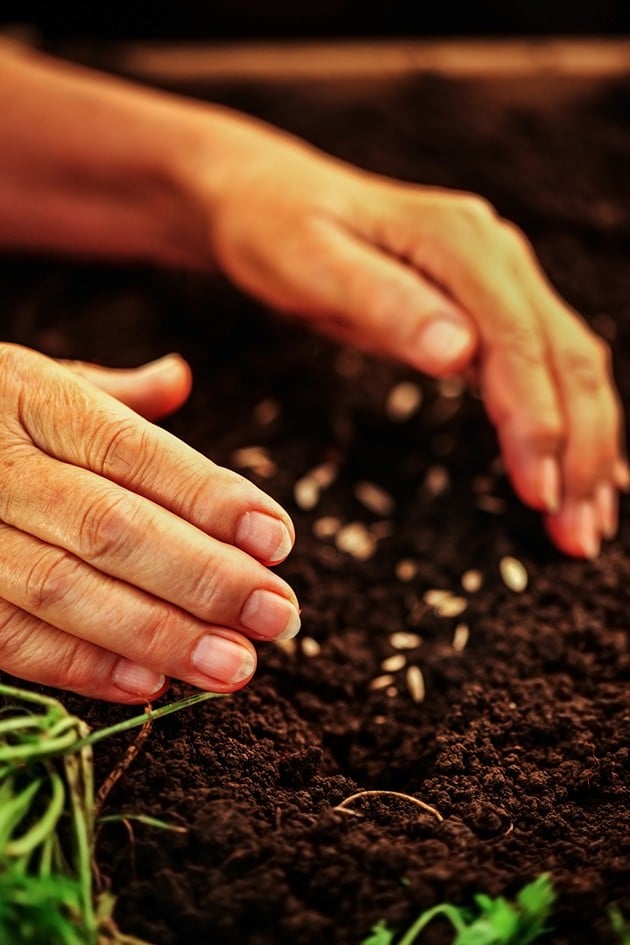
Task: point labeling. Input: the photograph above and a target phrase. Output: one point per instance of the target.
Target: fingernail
(444, 340)
(263, 536)
(223, 659)
(137, 680)
(606, 503)
(549, 483)
(167, 365)
(270, 615)
(586, 529)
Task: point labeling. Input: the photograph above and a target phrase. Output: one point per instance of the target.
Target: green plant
(621, 926)
(48, 817)
(491, 922)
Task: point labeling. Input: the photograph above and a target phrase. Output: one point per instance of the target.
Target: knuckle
(123, 450)
(104, 527)
(49, 580)
(475, 212)
(155, 631)
(211, 591)
(523, 343)
(543, 432)
(585, 366)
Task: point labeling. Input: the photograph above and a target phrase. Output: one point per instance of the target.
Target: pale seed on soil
(381, 682)
(406, 569)
(288, 646)
(403, 400)
(391, 692)
(379, 720)
(436, 596)
(460, 637)
(326, 527)
(472, 580)
(452, 607)
(356, 540)
(437, 480)
(415, 683)
(374, 498)
(310, 646)
(306, 493)
(324, 474)
(265, 412)
(393, 663)
(513, 573)
(404, 640)
(255, 458)
(491, 503)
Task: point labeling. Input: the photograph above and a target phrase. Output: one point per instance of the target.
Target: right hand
(126, 556)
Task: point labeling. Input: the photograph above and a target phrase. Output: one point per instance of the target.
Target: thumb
(391, 308)
(152, 390)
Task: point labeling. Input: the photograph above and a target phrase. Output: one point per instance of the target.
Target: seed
(452, 607)
(393, 663)
(306, 493)
(460, 637)
(404, 640)
(406, 569)
(436, 596)
(472, 581)
(255, 458)
(391, 691)
(513, 573)
(326, 527)
(324, 474)
(289, 646)
(437, 480)
(355, 539)
(374, 498)
(379, 720)
(265, 412)
(403, 400)
(491, 503)
(415, 683)
(381, 682)
(310, 647)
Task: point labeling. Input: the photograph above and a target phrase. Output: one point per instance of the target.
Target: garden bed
(515, 726)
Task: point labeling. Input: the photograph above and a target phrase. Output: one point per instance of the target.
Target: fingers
(152, 390)
(154, 638)
(83, 428)
(33, 650)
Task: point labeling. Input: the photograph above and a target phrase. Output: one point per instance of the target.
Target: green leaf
(380, 935)
(620, 926)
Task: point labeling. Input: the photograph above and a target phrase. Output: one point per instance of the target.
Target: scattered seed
(513, 573)
(404, 640)
(393, 663)
(306, 493)
(255, 458)
(436, 596)
(403, 400)
(391, 692)
(491, 503)
(406, 569)
(289, 646)
(415, 683)
(374, 498)
(265, 412)
(356, 540)
(379, 720)
(452, 607)
(324, 474)
(460, 637)
(310, 647)
(326, 527)
(451, 387)
(437, 480)
(381, 682)
(472, 580)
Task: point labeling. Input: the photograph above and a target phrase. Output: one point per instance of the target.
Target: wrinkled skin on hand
(125, 556)
(437, 280)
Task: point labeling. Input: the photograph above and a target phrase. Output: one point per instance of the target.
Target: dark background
(248, 19)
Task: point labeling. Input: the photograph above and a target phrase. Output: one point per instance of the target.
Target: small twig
(344, 805)
(117, 772)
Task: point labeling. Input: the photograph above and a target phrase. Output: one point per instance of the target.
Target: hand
(125, 555)
(434, 279)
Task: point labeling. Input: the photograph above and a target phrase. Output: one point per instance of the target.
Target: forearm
(96, 166)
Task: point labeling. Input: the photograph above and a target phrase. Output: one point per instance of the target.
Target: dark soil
(522, 741)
